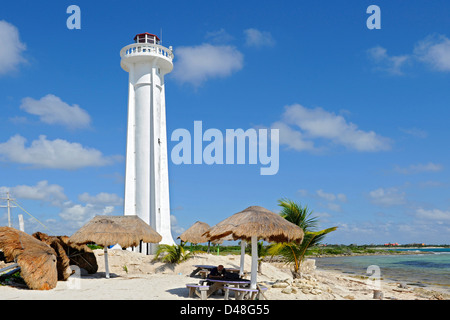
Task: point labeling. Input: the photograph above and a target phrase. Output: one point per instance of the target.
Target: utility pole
(9, 206)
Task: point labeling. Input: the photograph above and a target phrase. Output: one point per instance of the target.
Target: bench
(240, 293)
(200, 290)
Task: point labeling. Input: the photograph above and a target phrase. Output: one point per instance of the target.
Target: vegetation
(94, 246)
(344, 250)
(172, 254)
(292, 252)
(12, 278)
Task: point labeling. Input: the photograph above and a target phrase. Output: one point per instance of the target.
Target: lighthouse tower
(147, 175)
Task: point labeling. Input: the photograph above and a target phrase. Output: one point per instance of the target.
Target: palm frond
(301, 216)
(298, 215)
(172, 254)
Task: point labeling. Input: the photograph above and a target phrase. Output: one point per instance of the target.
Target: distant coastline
(343, 251)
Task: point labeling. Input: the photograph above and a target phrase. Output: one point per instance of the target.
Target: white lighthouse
(147, 175)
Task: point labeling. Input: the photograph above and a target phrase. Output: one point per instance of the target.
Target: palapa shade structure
(195, 233)
(36, 259)
(253, 224)
(127, 231)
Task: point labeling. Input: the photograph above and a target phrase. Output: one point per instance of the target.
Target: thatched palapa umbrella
(253, 224)
(127, 231)
(36, 259)
(195, 233)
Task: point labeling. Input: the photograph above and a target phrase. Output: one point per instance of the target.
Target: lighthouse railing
(146, 48)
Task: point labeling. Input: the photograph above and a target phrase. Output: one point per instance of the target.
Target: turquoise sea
(427, 267)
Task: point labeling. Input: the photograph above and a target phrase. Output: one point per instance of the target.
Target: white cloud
(331, 198)
(11, 48)
(435, 51)
(433, 214)
(292, 138)
(43, 191)
(219, 36)
(100, 204)
(175, 228)
(52, 110)
(104, 198)
(54, 154)
(327, 196)
(385, 62)
(415, 132)
(197, 64)
(387, 197)
(78, 214)
(418, 168)
(320, 124)
(256, 38)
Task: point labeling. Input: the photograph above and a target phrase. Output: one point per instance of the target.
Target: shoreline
(381, 252)
(147, 280)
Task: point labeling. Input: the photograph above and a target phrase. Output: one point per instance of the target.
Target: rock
(308, 265)
(306, 290)
(316, 291)
(287, 290)
(280, 284)
(403, 286)
(307, 277)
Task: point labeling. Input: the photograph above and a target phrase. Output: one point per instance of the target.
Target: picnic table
(205, 269)
(246, 293)
(218, 284)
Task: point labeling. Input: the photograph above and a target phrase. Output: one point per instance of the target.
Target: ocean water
(425, 268)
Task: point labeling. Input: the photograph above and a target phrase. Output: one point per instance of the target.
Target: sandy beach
(135, 276)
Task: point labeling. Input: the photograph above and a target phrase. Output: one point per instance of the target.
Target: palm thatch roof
(256, 221)
(62, 261)
(195, 233)
(145, 232)
(127, 231)
(36, 259)
(69, 254)
(80, 255)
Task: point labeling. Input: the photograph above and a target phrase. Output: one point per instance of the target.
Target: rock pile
(307, 285)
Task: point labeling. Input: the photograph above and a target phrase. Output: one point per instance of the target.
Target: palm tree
(172, 254)
(302, 217)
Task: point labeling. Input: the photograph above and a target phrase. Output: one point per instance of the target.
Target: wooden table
(200, 267)
(220, 284)
(208, 268)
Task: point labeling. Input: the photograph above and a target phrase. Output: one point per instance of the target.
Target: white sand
(150, 280)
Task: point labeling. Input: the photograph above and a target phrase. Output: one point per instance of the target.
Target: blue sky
(363, 114)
